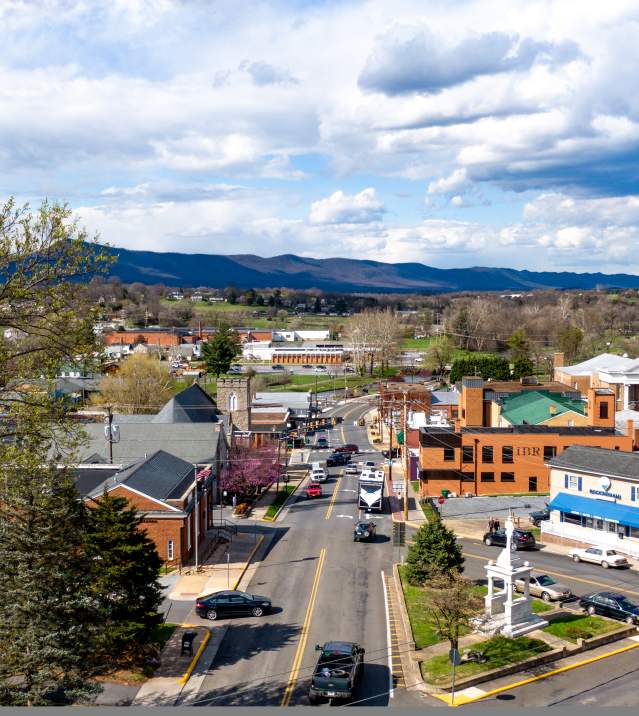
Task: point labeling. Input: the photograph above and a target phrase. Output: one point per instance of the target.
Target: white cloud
(456, 181)
(340, 208)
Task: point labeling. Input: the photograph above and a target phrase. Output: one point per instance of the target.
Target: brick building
(162, 337)
(162, 487)
(474, 457)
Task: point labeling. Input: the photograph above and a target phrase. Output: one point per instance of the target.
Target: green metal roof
(534, 407)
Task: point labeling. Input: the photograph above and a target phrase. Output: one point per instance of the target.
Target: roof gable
(191, 405)
(537, 406)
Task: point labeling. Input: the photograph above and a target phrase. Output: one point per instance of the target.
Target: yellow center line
(565, 576)
(329, 511)
(288, 692)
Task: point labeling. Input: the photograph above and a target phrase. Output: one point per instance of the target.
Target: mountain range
(340, 274)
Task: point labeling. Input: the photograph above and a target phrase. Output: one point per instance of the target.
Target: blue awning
(600, 509)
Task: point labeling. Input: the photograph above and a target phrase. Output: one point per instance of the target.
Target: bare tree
(452, 601)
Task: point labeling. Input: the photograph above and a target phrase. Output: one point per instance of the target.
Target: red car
(349, 447)
(313, 490)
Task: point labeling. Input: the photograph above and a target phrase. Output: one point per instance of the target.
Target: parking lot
(474, 508)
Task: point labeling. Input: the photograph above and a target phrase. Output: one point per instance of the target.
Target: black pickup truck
(337, 672)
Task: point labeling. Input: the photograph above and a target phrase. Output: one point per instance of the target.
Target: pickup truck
(338, 670)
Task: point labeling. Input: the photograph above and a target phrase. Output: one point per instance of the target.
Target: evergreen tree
(522, 367)
(219, 353)
(434, 551)
(519, 344)
(48, 617)
(124, 578)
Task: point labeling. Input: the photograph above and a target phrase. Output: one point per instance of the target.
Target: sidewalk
(223, 568)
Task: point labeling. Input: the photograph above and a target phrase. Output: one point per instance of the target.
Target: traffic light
(399, 534)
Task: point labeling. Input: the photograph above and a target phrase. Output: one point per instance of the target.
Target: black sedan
(338, 459)
(364, 531)
(231, 604)
(522, 539)
(611, 604)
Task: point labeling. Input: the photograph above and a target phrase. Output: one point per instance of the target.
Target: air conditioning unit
(468, 494)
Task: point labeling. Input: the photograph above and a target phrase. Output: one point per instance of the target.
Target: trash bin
(445, 492)
(187, 642)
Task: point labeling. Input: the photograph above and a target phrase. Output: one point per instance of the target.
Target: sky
(453, 134)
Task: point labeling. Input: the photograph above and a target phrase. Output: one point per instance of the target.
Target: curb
(277, 514)
(258, 544)
(195, 659)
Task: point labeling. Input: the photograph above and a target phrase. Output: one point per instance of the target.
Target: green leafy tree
(221, 351)
(48, 615)
(518, 344)
(126, 567)
(439, 354)
(486, 366)
(522, 367)
(569, 340)
(434, 551)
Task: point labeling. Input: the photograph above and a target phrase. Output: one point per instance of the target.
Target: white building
(297, 336)
(257, 350)
(594, 498)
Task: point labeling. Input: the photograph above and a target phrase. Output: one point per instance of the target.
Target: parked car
(598, 555)
(322, 443)
(538, 516)
(231, 603)
(338, 670)
(320, 369)
(364, 531)
(611, 604)
(522, 539)
(541, 585)
(277, 366)
(349, 369)
(307, 366)
(349, 447)
(313, 490)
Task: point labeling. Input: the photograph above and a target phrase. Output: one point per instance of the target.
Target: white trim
(137, 492)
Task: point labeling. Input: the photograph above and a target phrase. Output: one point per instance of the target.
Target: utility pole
(197, 519)
(110, 433)
(390, 448)
(406, 462)
(277, 487)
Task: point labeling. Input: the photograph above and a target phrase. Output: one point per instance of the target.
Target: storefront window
(612, 526)
(599, 524)
(634, 532)
(571, 518)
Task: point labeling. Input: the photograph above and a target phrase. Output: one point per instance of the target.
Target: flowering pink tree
(249, 468)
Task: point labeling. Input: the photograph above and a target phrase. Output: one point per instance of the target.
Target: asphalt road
(582, 578)
(316, 575)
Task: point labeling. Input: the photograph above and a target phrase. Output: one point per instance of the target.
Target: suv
(522, 539)
(322, 443)
(611, 604)
(338, 459)
(313, 490)
(538, 516)
(349, 447)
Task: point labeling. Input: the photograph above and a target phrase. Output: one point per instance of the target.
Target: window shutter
(633, 493)
(566, 481)
(579, 484)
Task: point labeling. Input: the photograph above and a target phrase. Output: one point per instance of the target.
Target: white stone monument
(505, 611)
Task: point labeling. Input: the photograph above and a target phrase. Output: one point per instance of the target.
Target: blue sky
(451, 133)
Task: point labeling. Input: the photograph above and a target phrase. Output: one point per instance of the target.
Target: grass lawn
(279, 500)
(538, 605)
(575, 626)
(500, 651)
(424, 633)
(162, 633)
(416, 344)
(304, 383)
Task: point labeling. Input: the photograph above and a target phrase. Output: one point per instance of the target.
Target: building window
(603, 411)
(549, 452)
(612, 526)
(487, 453)
(508, 477)
(572, 482)
(571, 518)
(487, 477)
(532, 484)
(232, 402)
(169, 550)
(449, 454)
(467, 453)
(507, 453)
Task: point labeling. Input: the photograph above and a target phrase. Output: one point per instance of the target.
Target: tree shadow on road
(243, 641)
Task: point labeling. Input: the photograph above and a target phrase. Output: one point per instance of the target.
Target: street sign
(455, 657)
(398, 485)
(441, 500)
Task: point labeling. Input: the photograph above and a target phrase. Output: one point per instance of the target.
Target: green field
(575, 626)
(416, 344)
(500, 651)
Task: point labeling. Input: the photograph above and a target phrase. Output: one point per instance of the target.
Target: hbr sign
(528, 451)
